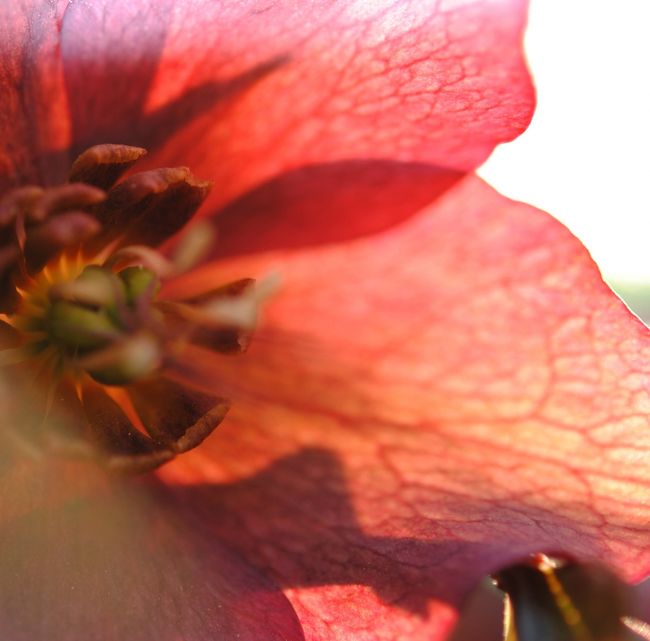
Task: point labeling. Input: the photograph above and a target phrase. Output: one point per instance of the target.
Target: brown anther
(230, 290)
(174, 415)
(18, 202)
(150, 207)
(142, 255)
(64, 198)
(55, 234)
(123, 447)
(102, 165)
(79, 283)
(37, 224)
(215, 337)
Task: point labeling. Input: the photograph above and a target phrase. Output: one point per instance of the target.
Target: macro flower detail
(84, 314)
(560, 600)
(442, 385)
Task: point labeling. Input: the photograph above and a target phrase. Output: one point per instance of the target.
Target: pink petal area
(240, 91)
(422, 407)
(33, 117)
(112, 562)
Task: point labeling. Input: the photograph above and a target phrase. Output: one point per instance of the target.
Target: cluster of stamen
(83, 318)
(83, 326)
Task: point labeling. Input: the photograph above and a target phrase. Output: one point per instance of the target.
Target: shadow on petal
(108, 88)
(151, 130)
(328, 203)
(296, 518)
(435, 367)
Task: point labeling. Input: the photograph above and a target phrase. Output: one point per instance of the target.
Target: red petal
(116, 563)
(243, 90)
(33, 119)
(423, 407)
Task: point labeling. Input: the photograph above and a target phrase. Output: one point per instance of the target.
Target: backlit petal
(423, 407)
(34, 122)
(242, 90)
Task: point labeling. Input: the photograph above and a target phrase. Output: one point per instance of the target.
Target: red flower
(442, 385)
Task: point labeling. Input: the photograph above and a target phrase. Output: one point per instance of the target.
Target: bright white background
(586, 156)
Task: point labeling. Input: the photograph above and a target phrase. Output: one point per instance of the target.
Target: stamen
(243, 311)
(194, 246)
(102, 165)
(144, 256)
(82, 280)
(124, 362)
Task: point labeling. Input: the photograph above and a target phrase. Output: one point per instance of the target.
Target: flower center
(95, 359)
(86, 318)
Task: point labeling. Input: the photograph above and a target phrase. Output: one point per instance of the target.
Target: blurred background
(586, 156)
